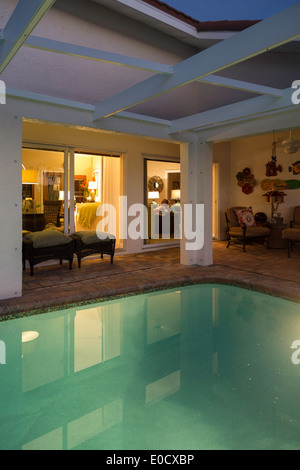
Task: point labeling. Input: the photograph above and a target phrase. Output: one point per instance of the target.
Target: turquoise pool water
(197, 367)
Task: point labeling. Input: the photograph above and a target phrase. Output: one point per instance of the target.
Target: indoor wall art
(246, 180)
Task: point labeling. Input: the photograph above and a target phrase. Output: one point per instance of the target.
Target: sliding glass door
(97, 181)
(43, 181)
(67, 183)
(162, 190)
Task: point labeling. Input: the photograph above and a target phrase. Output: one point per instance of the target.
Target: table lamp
(175, 194)
(153, 195)
(93, 188)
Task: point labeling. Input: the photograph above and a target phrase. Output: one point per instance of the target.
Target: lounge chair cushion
(88, 237)
(292, 234)
(47, 238)
(250, 231)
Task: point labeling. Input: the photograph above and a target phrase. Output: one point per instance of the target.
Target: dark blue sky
(210, 10)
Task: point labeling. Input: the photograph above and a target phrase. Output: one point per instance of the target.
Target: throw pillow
(246, 217)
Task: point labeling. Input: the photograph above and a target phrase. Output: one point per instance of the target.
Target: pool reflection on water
(197, 367)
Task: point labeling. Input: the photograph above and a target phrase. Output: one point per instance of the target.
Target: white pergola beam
(47, 99)
(95, 54)
(23, 20)
(142, 117)
(40, 98)
(268, 34)
(240, 85)
(246, 109)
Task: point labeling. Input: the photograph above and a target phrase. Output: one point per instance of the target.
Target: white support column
(66, 190)
(11, 197)
(72, 193)
(196, 189)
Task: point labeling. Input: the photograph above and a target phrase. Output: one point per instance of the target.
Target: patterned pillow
(246, 217)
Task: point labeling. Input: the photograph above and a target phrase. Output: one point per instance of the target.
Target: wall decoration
(268, 185)
(275, 198)
(155, 183)
(246, 180)
(272, 168)
(295, 168)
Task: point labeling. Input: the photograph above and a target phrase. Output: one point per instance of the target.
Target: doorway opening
(215, 202)
(68, 180)
(162, 190)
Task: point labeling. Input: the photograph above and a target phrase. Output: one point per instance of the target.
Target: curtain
(111, 188)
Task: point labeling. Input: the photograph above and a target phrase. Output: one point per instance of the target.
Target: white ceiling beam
(240, 85)
(47, 99)
(95, 54)
(41, 98)
(242, 110)
(268, 34)
(142, 117)
(23, 20)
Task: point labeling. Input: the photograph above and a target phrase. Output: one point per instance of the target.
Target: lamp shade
(62, 195)
(153, 194)
(29, 176)
(93, 185)
(175, 194)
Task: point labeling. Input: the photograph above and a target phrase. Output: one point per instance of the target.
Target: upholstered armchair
(295, 223)
(243, 229)
(292, 235)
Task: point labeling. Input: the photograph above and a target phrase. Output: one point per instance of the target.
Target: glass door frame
(163, 159)
(68, 165)
(69, 174)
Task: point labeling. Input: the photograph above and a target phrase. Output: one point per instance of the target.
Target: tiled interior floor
(267, 270)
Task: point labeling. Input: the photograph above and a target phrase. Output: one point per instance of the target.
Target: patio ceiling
(222, 76)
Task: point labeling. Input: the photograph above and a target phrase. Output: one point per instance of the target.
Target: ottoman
(46, 245)
(90, 242)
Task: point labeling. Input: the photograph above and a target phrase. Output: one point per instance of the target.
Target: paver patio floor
(259, 268)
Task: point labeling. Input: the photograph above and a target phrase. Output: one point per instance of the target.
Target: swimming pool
(197, 367)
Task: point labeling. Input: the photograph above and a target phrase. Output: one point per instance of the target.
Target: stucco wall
(254, 153)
